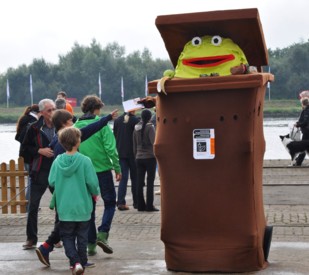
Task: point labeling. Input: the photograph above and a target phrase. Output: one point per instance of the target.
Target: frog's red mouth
(210, 61)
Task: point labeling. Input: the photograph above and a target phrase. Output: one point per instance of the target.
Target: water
(273, 127)
(9, 147)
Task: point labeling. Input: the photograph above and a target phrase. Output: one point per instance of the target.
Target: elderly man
(36, 146)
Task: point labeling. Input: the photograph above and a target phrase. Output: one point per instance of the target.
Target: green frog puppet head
(208, 56)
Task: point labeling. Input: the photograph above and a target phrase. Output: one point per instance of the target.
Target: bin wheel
(267, 241)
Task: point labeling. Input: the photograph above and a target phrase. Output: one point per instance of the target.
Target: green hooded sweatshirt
(75, 181)
(100, 147)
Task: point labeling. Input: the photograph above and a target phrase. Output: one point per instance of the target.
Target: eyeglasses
(50, 110)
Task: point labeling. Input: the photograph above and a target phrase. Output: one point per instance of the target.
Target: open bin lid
(243, 26)
(179, 85)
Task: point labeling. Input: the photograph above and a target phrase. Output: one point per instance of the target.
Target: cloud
(34, 28)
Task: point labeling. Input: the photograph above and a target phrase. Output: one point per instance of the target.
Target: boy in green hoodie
(75, 182)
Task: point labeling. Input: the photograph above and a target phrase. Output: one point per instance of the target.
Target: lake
(9, 147)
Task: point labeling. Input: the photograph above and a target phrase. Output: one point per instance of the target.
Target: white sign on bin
(204, 143)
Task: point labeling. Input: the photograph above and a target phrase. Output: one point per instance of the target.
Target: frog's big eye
(196, 41)
(216, 40)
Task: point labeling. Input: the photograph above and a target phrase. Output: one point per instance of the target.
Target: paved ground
(135, 236)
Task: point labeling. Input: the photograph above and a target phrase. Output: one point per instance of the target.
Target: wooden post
(4, 189)
(22, 190)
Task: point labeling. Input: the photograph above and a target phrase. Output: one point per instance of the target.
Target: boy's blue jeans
(108, 194)
(74, 236)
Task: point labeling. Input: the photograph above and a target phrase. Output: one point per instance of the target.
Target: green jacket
(100, 147)
(75, 181)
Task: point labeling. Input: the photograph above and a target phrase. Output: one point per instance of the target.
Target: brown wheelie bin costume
(210, 148)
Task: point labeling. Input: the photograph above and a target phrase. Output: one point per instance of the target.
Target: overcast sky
(46, 29)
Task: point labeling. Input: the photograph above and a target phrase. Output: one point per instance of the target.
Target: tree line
(290, 66)
(78, 71)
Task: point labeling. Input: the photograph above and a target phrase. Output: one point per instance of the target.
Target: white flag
(31, 91)
(122, 91)
(7, 89)
(146, 86)
(100, 88)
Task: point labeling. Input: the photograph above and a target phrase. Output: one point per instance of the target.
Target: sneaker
(89, 265)
(102, 242)
(77, 269)
(43, 255)
(29, 244)
(123, 207)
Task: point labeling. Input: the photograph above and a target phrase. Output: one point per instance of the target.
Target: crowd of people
(76, 157)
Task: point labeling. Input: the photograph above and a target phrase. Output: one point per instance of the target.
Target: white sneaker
(77, 269)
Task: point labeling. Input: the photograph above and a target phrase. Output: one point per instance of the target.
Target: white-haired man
(36, 146)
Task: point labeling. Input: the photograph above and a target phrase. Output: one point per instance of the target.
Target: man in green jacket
(101, 149)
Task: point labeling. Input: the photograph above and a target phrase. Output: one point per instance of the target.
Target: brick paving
(291, 223)
(287, 210)
(289, 215)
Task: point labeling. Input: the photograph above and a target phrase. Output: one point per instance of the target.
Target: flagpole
(122, 90)
(146, 86)
(31, 90)
(100, 88)
(7, 93)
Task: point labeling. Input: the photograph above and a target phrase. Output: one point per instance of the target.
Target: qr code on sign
(201, 146)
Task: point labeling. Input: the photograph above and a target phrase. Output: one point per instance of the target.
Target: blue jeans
(128, 167)
(74, 236)
(108, 194)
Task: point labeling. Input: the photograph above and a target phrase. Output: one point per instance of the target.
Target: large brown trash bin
(210, 147)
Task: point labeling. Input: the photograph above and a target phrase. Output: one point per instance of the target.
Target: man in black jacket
(123, 131)
(36, 145)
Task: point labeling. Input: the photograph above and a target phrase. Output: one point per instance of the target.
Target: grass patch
(282, 108)
(272, 108)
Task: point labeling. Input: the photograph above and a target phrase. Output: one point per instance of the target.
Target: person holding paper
(123, 131)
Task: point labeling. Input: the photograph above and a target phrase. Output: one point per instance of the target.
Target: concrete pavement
(135, 238)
